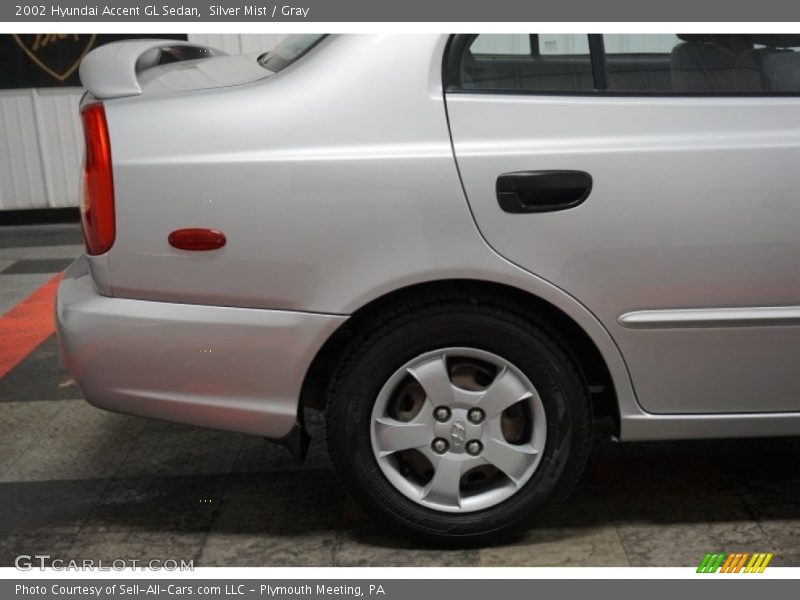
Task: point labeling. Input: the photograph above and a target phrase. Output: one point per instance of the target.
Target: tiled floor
(78, 482)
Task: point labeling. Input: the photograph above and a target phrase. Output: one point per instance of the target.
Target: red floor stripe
(27, 325)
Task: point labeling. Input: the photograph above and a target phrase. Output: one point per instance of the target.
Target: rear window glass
(289, 50)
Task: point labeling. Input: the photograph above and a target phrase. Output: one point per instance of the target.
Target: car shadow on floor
(234, 500)
(658, 483)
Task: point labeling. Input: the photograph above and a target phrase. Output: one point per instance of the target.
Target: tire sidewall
(526, 347)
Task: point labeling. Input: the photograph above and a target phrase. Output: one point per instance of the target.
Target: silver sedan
(465, 249)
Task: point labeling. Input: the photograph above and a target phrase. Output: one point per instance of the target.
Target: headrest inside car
(776, 40)
(771, 40)
(698, 38)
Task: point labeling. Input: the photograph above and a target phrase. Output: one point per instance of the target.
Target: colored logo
(56, 54)
(738, 562)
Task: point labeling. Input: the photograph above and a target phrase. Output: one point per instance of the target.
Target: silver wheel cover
(471, 447)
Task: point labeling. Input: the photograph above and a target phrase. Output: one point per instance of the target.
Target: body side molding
(763, 316)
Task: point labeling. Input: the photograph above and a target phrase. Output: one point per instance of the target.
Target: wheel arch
(587, 353)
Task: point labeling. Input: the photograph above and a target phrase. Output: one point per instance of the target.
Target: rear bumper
(238, 369)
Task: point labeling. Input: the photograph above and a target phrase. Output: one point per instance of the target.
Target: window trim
(456, 44)
(597, 57)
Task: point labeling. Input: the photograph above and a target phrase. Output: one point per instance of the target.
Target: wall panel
(41, 140)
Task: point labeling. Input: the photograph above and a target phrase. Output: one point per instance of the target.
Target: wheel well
(589, 358)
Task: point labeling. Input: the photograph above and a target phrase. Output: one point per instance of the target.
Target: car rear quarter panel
(333, 186)
(329, 183)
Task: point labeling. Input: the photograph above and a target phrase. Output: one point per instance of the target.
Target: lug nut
(441, 414)
(475, 415)
(474, 447)
(440, 445)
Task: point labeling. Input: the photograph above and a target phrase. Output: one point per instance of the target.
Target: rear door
(655, 178)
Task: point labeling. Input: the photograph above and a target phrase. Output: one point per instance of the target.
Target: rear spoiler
(112, 70)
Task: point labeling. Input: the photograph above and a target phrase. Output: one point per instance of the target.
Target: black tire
(488, 324)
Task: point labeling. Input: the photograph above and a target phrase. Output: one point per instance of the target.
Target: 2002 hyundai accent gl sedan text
(462, 247)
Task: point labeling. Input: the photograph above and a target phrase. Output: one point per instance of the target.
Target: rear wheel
(457, 420)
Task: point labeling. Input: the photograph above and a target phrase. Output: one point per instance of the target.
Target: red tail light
(97, 204)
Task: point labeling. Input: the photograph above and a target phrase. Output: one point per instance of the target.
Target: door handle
(542, 191)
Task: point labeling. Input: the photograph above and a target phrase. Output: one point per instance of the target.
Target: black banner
(51, 59)
(731, 588)
(326, 11)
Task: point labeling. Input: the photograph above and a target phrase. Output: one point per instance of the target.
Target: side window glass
(501, 44)
(705, 64)
(527, 63)
(637, 64)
